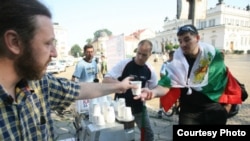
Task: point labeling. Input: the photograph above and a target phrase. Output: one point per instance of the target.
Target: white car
(55, 67)
(70, 62)
(67, 62)
(63, 62)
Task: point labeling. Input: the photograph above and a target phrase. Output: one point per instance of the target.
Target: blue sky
(82, 18)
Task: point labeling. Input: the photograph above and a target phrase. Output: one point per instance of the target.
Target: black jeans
(213, 114)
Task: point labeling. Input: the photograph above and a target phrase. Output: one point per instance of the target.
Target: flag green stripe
(217, 78)
(165, 81)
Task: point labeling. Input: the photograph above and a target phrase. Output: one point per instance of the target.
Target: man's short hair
(142, 42)
(87, 46)
(19, 15)
(189, 28)
(171, 53)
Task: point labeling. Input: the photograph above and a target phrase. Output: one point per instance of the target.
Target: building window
(242, 23)
(237, 22)
(212, 22)
(226, 21)
(203, 24)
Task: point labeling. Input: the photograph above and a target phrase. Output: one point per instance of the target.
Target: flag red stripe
(142, 134)
(232, 92)
(170, 98)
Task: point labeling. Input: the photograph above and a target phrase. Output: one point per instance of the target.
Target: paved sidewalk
(64, 128)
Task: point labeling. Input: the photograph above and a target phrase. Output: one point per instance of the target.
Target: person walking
(86, 70)
(138, 68)
(27, 92)
(199, 78)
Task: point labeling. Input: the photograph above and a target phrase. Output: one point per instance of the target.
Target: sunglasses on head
(187, 28)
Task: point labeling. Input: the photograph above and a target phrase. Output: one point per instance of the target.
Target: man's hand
(146, 94)
(125, 84)
(228, 107)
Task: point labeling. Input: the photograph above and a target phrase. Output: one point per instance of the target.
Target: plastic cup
(127, 113)
(136, 91)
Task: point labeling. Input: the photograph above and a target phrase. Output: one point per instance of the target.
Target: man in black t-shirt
(142, 71)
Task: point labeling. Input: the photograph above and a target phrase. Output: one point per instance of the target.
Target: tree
(100, 32)
(76, 51)
(175, 46)
(169, 46)
(89, 40)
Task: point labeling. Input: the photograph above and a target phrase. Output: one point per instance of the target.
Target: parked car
(63, 62)
(67, 62)
(70, 62)
(56, 66)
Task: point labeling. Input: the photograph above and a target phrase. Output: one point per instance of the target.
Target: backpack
(236, 107)
(244, 94)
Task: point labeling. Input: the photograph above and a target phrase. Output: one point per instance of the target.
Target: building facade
(225, 27)
(61, 36)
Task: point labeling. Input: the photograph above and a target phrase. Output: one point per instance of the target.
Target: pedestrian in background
(163, 67)
(162, 73)
(199, 78)
(104, 67)
(86, 70)
(27, 92)
(142, 71)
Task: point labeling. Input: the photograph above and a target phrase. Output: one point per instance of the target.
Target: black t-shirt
(141, 73)
(194, 102)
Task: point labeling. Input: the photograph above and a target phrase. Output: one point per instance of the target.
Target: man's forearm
(160, 91)
(93, 90)
(109, 80)
(90, 90)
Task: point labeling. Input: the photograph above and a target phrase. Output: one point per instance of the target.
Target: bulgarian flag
(209, 75)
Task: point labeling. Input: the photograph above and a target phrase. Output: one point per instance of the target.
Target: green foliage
(99, 33)
(89, 40)
(238, 51)
(76, 51)
(175, 46)
(170, 46)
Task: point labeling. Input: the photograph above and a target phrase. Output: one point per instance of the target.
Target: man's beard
(89, 58)
(27, 67)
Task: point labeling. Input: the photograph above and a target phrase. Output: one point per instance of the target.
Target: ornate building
(226, 27)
